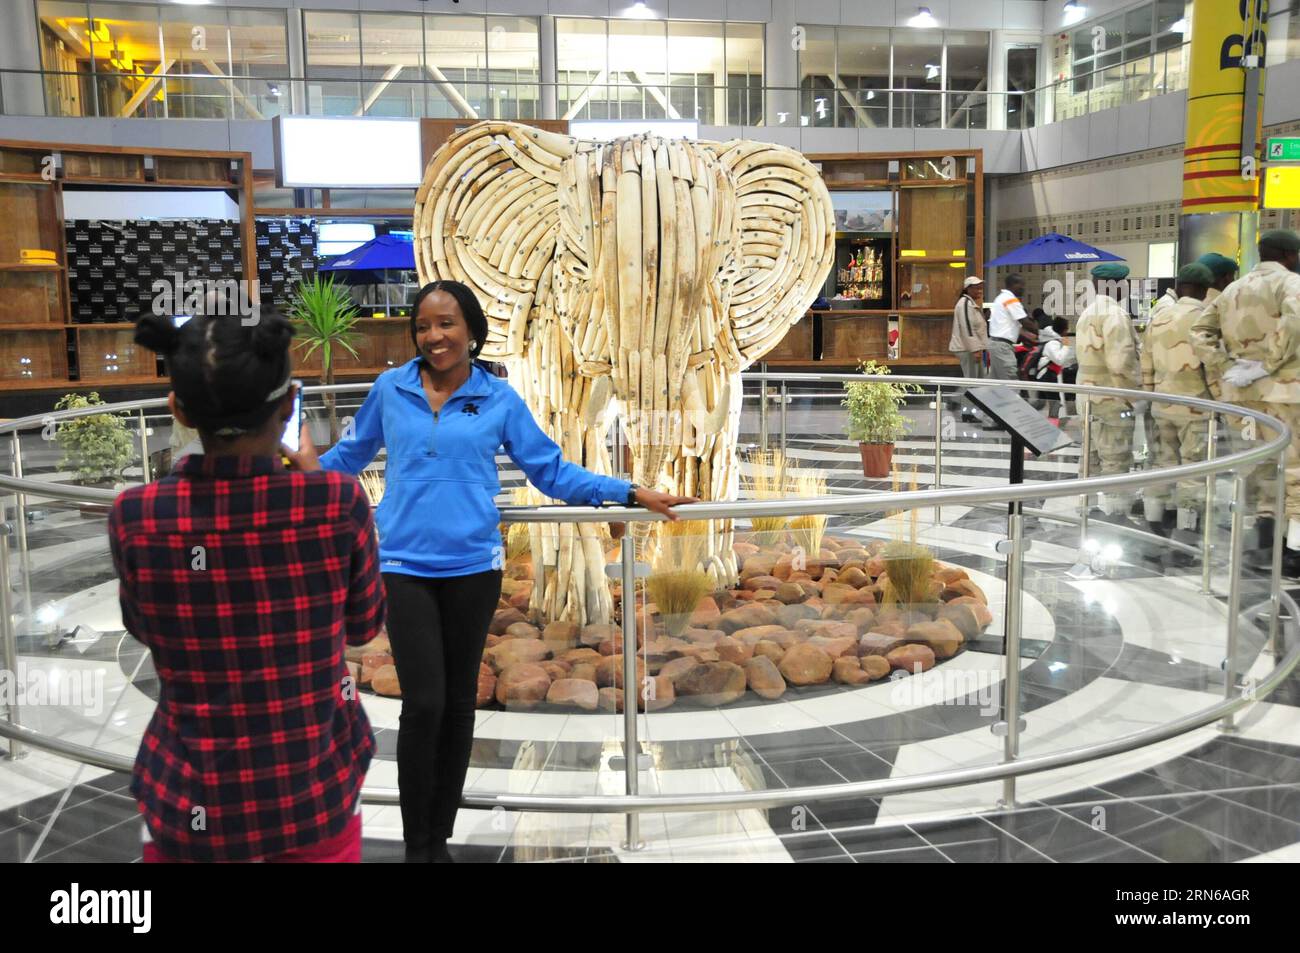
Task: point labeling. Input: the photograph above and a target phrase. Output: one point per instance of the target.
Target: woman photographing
(443, 419)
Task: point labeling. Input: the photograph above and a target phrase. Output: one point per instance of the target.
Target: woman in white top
(1057, 363)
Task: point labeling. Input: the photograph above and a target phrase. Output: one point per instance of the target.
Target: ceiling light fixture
(1179, 26)
(923, 19)
(1074, 11)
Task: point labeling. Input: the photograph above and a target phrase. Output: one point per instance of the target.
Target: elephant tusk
(602, 391)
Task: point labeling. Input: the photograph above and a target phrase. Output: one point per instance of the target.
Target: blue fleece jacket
(438, 516)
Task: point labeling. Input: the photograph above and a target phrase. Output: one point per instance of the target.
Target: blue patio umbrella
(1053, 249)
(371, 262)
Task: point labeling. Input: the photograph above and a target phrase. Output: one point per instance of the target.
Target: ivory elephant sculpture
(632, 279)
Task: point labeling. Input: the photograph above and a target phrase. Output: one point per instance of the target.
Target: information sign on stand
(1025, 425)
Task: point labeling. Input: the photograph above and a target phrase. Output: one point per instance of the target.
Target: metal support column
(20, 522)
(145, 469)
(1207, 518)
(938, 449)
(784, 398)
(1085, 452)
(1014, 549)
(631, 688)
(1230, 685)
(762, 408)
(8, 645)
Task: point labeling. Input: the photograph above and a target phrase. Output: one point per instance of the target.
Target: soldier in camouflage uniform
(1248, 338)
(1107, 348)
(1170, 366)
(1224, 270)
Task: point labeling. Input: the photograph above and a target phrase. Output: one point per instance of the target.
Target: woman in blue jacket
(443, 418)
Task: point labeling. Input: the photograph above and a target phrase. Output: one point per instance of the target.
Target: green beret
(1219, 265)
(1279, 239)
(1195, 274)
(1110, 271)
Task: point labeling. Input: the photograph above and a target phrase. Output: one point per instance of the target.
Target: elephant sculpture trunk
(641, 274)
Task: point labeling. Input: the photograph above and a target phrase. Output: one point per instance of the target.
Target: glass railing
(1119, 85)
(935, 640)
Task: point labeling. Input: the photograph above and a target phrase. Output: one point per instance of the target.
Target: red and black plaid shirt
(244, 580)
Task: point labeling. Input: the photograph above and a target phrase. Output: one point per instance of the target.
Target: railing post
(20, 520)
(762, 408)
(1207, 519)
(1230, 687)
(784, 399)
(631, 687)
(1014, 549)
(1085, 452)
(144, 450)
(1275, 577)
(938, 448)
(8, 645)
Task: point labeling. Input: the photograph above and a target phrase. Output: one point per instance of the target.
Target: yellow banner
(1213, 176)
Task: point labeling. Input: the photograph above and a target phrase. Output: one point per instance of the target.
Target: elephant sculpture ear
(487, 215)
(786, 227)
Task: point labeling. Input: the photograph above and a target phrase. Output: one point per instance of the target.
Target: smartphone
(293, 428)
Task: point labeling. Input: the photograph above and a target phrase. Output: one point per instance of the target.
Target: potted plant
(325, 318)
(97, 448)
(875, 419)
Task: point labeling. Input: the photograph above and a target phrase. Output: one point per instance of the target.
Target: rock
(911, 657)
(514, 651)
(875, 666)
(677, 667)
(557, 669)
(585, 671)
(377, 646)
(828, 629)
(787, 616)
(701, 653)
(790, 593)
(596, 633)
(706, 613)
(784, 566)
(949, 574)
(862, 619)
(894, 628)
(963, 587)
(521, 630)
(759, 564)
(944, 638)
(662, 693)
(853, 577)
(521, 599)
(766, 595)
(610, 699)
(573, 693)
(806, 665)
(744, 550)
(564, 633)
(836, 593)
(487, 686)
(703, 636)
(963, 617)
(712, 683)
(982, 614)
(847, 671)
(522, 685)
(493, 641)
(609, 672)
(576, 656)
(754, 633)
(725, 600)
(610, 646)
(503, 619)
(731, 649)
(763, 678)
(836, 647)
(769, 649)
(384, 681)
(744, 617)
(878, 643)
(371, 664)
(354, 672)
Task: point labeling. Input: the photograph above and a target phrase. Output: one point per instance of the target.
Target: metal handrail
(1007, 771)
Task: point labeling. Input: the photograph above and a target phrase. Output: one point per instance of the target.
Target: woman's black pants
(437, 628)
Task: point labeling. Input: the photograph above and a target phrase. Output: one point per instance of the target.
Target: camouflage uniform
(1107, 348)
(1170, 366)
(1258, 318)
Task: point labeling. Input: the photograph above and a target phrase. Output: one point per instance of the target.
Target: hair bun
(158, 333)
(271, 334)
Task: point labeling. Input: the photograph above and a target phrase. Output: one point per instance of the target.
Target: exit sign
(1284, 148)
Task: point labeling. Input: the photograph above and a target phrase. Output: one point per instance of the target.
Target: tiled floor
(1100, 658)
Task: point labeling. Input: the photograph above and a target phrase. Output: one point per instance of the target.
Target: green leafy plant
(874, 406)
(98, 447)
(325, 319)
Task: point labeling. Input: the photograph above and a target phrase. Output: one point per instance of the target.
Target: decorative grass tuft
(909, 567)
(372, 481)
(808, 530)
(677, 580)
(767, 480)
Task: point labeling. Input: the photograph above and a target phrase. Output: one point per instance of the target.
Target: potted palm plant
(875, 417)
(325, 319)
(96, 448)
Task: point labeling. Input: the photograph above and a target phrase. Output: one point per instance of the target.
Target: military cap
(1279, 239)
(1219, 265)
(1195, 274)
(1110, 271)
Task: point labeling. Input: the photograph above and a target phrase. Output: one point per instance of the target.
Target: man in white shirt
(1004, 329)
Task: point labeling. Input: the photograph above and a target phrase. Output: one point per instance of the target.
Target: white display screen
(342, 152)
(339, 238)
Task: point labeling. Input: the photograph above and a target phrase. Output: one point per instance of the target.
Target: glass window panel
(1171, 13)
(697, 61)
(393, 40)
(259, 58)
(65, 50)
(513, 55)
(333, 45)
(1137, 24)
(816, 67)
(1114, 36)
(744, 50)
(1022, 74)
(638, 57)
(194, 45)
(580, 60)
(1081, 44)
(918, 59)
(125, 47)
(455, 48)
(968, 60)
